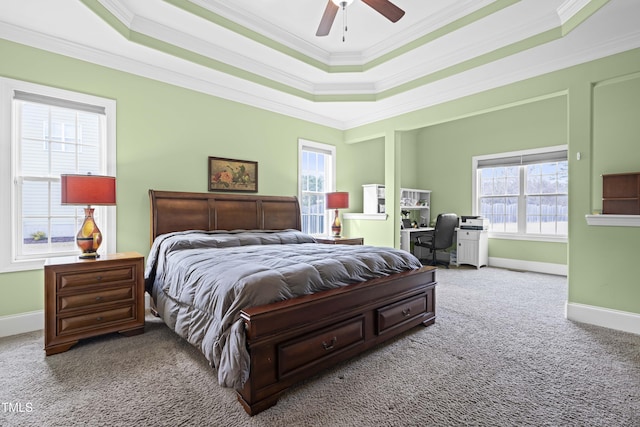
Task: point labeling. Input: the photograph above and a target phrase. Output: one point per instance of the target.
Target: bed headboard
(179, 211)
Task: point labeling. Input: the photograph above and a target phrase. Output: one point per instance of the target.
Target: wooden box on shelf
(89, 297)
(621, 194)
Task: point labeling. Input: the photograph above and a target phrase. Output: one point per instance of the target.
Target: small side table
(85, 298)
(332, 240)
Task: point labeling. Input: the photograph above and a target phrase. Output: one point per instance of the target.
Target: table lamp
(337, 200)
(88, 190)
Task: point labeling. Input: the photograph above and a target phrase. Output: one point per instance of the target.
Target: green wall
(166, 133)
(594, 108)
(164, 136)
(602, 260)
(446, 150)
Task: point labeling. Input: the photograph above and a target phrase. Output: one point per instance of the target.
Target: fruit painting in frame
(233, 175)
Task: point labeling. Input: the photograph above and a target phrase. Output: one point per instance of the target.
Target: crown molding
(349, 112)
(217, 84)
(569, 8)
(493, 75)
(120, 11)
(421, 29)
(262, 26)
(220, 54)
(264, 32)
(375, 86)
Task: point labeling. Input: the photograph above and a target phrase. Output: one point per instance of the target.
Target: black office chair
(441, 237)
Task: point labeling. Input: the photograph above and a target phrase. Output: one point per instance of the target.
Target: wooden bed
(291, 340)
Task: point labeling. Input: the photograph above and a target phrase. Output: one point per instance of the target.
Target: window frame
(521, 234)
(330, 183)
(9, 213)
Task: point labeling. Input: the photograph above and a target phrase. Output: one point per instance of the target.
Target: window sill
(529, 237)
(374, 217)
(613, 220)
(13, 267)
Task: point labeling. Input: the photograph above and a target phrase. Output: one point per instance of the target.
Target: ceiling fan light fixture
(342, 3)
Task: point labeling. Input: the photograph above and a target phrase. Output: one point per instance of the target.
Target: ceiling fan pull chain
(344, 20)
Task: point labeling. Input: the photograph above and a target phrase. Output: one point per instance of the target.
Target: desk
(407, 235)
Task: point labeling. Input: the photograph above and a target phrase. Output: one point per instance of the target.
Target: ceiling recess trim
(572, 13)
(323, 60)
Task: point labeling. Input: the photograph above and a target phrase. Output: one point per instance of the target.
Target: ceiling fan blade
(387, 9)
(327, 19)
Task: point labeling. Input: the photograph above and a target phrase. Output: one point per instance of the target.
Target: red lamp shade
(88, 190)
(338, 200)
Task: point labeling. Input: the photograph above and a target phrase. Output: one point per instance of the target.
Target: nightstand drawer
(98, 319)
(123, 274)
(84, 300)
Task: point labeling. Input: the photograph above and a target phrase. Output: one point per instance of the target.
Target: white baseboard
(538, 267)
(21, 323)
(605, 317)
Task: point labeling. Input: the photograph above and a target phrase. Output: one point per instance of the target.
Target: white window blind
(523, 159)
(57, 102)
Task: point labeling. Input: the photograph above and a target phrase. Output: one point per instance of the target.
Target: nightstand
(332, 240)
(89, 297)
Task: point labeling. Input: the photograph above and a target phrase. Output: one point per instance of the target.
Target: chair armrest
(425, 239)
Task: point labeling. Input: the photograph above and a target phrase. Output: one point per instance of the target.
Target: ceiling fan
(387, 9)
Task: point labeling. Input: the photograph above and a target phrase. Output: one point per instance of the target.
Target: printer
(473, 223)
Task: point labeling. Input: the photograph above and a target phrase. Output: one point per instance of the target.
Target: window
(524, 194)
(48, 132)
(316, 177)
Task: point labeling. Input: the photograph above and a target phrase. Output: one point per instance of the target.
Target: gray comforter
(200, 281)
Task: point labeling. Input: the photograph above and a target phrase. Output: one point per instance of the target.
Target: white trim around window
(329, 175)
(537, 155)
(8, 165)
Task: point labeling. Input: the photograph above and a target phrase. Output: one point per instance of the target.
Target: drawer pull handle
(98, 319)
(98, 298)
(406, 312)
(98, 278)
(329, 346)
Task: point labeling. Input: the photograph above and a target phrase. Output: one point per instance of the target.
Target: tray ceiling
(265, 53)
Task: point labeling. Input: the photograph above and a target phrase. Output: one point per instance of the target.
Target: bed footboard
(294, 339)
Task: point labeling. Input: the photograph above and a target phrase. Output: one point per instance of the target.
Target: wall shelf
(371, 216)
(612, 220)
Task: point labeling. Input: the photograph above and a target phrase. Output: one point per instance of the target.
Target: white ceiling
(265, 52)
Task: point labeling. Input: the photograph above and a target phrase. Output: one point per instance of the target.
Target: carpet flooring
(501, 353)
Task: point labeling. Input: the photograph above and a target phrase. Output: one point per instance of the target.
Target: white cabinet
(472, 247)
(373, 198)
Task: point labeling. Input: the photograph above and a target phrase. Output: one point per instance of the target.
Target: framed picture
(233, 175)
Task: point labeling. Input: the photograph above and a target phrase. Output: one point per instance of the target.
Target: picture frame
(233, 175)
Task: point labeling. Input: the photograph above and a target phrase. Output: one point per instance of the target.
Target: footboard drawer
(302, 352)
(393, 315)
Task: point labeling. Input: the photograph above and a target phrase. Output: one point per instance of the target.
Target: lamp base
(336, 227)
(89, 237)
(89, 255)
